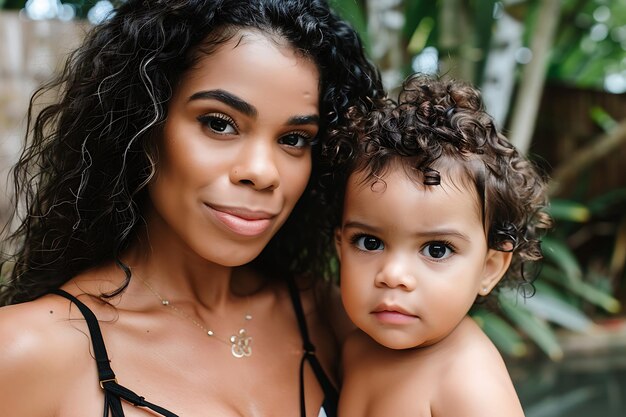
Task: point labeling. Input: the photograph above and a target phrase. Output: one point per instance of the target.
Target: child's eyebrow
(429, 234)
(439, 233)
(358, 225)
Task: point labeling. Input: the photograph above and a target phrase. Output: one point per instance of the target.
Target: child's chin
(396, 343)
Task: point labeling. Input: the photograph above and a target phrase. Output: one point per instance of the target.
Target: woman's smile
(242, 221)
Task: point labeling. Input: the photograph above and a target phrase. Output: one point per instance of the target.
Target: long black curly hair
(81, 179)
(438, 127)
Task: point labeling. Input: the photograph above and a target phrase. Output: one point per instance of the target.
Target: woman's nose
(255, 165)
(397, 272)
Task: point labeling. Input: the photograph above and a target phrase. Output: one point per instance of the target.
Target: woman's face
(235, 155)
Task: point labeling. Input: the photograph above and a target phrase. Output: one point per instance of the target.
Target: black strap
(331, 396)
(113, 392)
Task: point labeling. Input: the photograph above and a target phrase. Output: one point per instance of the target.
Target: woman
(186, 135)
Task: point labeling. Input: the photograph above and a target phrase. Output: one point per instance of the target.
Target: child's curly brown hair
(437, 125)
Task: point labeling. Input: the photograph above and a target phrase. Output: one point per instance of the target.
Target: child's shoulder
(471, 357)
(474, 380)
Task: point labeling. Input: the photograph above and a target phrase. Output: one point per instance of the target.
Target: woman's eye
(368, 243)
(218, 123)
(295, 140)
(437, 250)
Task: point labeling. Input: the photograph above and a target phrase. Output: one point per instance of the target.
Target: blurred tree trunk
(455, 35)
(385, 21)
(533, 79)
(500, 75)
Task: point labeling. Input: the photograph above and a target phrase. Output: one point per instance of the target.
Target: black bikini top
(114, 393)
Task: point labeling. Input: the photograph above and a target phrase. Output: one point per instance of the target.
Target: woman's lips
(242, 221)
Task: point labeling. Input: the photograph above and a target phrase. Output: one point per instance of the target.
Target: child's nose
(397, 272)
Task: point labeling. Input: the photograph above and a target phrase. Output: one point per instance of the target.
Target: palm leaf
(536, 328)
(501, 333)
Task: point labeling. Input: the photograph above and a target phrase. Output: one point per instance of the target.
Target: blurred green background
(553, 74)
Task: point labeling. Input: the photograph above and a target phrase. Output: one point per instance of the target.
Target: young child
(438, 208)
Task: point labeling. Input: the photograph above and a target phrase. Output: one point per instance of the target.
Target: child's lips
(393, 314)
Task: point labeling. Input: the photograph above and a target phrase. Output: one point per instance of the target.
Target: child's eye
(367, 243)
(219, 123)
(437, 250)
(296, 139)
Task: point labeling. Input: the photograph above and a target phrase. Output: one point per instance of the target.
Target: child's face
(413, 258)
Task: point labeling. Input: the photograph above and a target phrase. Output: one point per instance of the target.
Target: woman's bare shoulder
(40, 348)
(33, 326)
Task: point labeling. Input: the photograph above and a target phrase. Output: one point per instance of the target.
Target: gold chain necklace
(240, 343)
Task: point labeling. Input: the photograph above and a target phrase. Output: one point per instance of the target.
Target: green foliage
(568, 293)
(12, 4)
(591, 42)
(570, 211)
(354, 12)
(502, 333)
(535, 327)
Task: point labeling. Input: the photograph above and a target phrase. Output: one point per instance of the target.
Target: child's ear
(496, 264)
(338, 243)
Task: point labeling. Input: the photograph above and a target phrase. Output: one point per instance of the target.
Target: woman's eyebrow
(227, 98)
(248, 109)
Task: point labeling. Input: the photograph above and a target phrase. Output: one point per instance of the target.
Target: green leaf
(618, 257)
(354, 12)
(602, 118)
(12, 4)
(563, 404)
(604, 203)
(552, 309)
(414, 12)
(561, 256)
(420, 36)
(483, 18)
(501, 333)
(586, 291)
(568, 210)
(537, 329)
